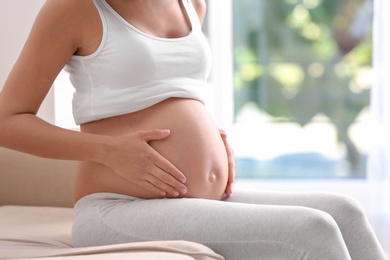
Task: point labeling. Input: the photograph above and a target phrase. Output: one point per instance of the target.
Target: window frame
(219, 25)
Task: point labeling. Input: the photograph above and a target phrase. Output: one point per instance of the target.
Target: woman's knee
(323, 236)
(345, 207)
(320, 222)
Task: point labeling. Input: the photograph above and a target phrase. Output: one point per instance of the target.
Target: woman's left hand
(231, 164)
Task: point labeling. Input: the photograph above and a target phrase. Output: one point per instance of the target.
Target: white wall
(16, 19)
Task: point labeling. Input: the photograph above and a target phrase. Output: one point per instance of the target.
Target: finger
(169, 168)
(155, 134)
(168, 179)
(222, 133)
(232, 172)
(231, 160)
(160, 161)
(228, 148)
(229, 190)
(158, 183)
(164, 179)
(149, 186)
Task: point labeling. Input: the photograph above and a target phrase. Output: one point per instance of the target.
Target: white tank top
(132, 70)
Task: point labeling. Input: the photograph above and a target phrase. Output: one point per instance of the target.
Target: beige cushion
(33, 181)
(34, 232)
(133, 255)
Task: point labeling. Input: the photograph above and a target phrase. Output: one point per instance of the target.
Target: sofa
(36, 217)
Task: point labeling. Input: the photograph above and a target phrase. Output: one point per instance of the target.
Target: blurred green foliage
(297, 59)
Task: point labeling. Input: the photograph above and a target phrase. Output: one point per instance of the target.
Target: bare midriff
(194, 146)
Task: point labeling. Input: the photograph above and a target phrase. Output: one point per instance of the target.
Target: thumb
(222, 133)
(155, 134)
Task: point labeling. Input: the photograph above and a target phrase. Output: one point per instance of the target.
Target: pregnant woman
(152, 164)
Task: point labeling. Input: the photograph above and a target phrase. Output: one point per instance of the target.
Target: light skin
(59, 32)
(231, 164)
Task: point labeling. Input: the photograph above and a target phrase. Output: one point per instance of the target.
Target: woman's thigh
(349, 215)
(235, 230)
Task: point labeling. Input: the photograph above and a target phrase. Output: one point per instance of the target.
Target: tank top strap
(192, 15)
(99, 5)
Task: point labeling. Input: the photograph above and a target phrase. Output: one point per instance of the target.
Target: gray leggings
(249, 225)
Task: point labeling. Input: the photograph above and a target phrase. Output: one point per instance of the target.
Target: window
(300, 85)
(302, 78)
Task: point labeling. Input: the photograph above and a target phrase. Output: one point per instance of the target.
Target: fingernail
(175, 193)
(183, 190)
(165, 131)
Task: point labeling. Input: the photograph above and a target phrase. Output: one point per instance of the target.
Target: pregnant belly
(194, 146)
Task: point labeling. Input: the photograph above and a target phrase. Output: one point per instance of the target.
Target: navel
(212, 177)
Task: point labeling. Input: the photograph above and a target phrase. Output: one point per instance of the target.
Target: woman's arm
(57, 34)
(51, 43)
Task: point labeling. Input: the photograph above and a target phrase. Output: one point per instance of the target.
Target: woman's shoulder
(76, 9)
(71, 21)
(68, 13)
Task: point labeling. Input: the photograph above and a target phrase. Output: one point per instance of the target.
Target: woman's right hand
(134, 159)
